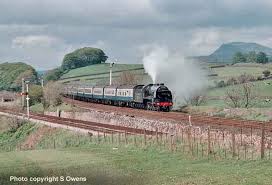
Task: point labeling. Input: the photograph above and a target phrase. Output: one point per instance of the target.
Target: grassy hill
(226, 51)
(224, 73)
(99, 73)
(12, 73)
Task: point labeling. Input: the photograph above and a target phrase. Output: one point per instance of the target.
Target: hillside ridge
(225, 52)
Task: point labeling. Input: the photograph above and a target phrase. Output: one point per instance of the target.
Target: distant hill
(11, 75)
(226, 51)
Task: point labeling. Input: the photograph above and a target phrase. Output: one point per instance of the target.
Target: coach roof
(126, 86)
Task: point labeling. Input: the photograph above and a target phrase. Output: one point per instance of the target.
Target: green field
(101, 68)
(224, 73)
(115, 164)
(262, 88)
(99, 73)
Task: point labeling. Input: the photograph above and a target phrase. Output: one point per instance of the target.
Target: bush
(221, 84)
(266, 73)
(259, 78)
(232, 81)
(35, 94)
(244, 78)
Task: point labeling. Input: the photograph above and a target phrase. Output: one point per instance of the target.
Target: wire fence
(197, 142)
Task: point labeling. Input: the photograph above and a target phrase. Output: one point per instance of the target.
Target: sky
(41, 32)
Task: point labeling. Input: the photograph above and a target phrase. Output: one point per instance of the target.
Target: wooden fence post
(209, 142)
(251, 135)
(241, 136)
(135, 142)
(104, 135)
(98, 141)
(90, 135)
(157, 139)
(233, 142)
(262, 141)
(190, 139)
(144, 137)
(171, 142)
(126, 141)
(119, 138)
(112, 137)
(182, 132)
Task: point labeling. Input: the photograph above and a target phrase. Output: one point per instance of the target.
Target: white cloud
(33, 41)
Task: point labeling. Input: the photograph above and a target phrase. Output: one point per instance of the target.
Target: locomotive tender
(151, 97)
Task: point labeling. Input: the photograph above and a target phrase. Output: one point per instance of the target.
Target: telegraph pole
(23, 91)
(27, 100)
(111, 65)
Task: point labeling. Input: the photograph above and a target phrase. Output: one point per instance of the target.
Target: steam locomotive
(155, 97)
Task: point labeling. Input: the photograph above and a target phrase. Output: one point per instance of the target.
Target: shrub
(232, 81)
(259, 78)
(35, 94)
(266, 73)
(244, 78)
(221, 83)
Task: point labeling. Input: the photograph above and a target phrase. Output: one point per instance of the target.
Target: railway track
(196, 119)
(87, 125)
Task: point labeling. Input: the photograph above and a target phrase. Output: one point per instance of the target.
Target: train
(155, 97)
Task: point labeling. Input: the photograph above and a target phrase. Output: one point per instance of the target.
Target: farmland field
(99, 73)
(100, 68)
(224, 73)
(116, 164)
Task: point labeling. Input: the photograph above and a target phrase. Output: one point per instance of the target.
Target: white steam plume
(152, 62)
(185, 79)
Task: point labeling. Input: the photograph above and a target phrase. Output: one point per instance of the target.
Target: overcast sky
(40, 32)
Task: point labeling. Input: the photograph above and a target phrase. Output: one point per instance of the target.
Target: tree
(12, 74)
(262, 58)
(233, 97)
(196, 100)
(242, 95)
(35, 94)
(52, 94)
(238, 58)
(251, 57)
(83, 57)
(53, 74)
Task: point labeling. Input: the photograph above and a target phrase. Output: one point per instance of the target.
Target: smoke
(184, 78)
(153, 61)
